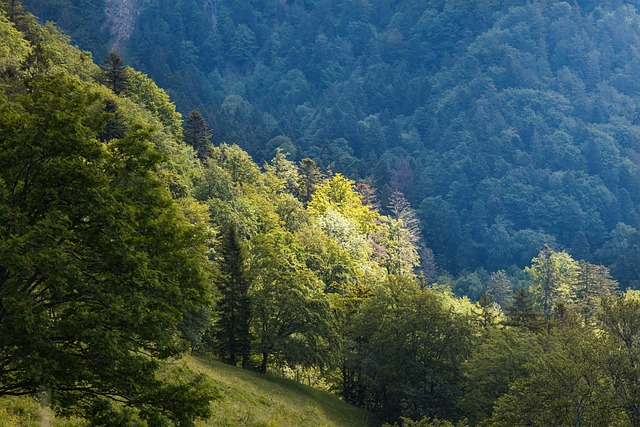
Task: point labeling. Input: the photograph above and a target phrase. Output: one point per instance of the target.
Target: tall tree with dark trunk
(231, 330)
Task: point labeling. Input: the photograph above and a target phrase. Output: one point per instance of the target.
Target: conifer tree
(521, 312)
(113, 72)
(197, 133)
(231, 331)
(310, 176)
(552, 274)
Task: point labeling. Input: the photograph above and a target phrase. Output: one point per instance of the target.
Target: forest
(505, 124)
(132, 233)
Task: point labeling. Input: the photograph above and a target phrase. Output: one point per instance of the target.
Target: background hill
(506, 124)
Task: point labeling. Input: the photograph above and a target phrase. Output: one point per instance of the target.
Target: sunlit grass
(250, 399)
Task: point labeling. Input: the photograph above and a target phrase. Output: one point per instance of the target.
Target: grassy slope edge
(251, 399)
(248, 399)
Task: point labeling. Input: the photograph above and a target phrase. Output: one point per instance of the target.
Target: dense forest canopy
(128, 239)
(507, 125)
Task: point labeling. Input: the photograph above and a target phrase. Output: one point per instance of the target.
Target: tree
(290, 313)
(552, 274)
(521, 313)
(196, 133)
(620, 319)
(310, 176)
(243, 44)
(233, 307)
(499, 288)
(592, 283)
(411, 344)
(397, 251)
(566, 385)
(114, 74)
(97, 263)
(501, 357)
(402, 211)
(338, 194)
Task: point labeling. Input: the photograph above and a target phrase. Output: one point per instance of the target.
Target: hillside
(128, 240)
(245, 399)
(507, 125)
(250, 399)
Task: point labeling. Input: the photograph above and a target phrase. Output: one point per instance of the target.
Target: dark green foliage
(114, 75)
(233, 309)
(508, 125)
(521, 312)
(196, 133)
(97, 261)
(411, 347)
(507, 131)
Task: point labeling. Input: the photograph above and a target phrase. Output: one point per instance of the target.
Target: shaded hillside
(508, 124)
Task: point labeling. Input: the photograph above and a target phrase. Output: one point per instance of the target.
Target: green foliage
(14, 48)
(501, 357)
(552, 275)
(142, 90)
(338, 194)
(97, 262)
(413, 343)
(290, 313)
(196, 133)
(508, 131)
(114, 74)
(567, 386)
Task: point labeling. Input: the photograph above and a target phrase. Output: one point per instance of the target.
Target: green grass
(247, 399)
(253, 400)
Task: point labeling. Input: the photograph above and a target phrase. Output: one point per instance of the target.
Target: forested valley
(429, 210)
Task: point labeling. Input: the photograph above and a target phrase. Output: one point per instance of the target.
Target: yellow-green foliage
(13, 48)
(144, 91)
(27, 412)
(250, 399)
(338, 194)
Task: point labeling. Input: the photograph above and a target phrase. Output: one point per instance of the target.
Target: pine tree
(114, 74)
(197, 133)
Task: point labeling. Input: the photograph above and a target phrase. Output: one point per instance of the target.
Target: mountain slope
(508, 124)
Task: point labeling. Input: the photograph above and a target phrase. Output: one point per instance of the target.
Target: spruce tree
(114, 74)
(197, 133)
(521, 312)
(310, 176)
(231, 331)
